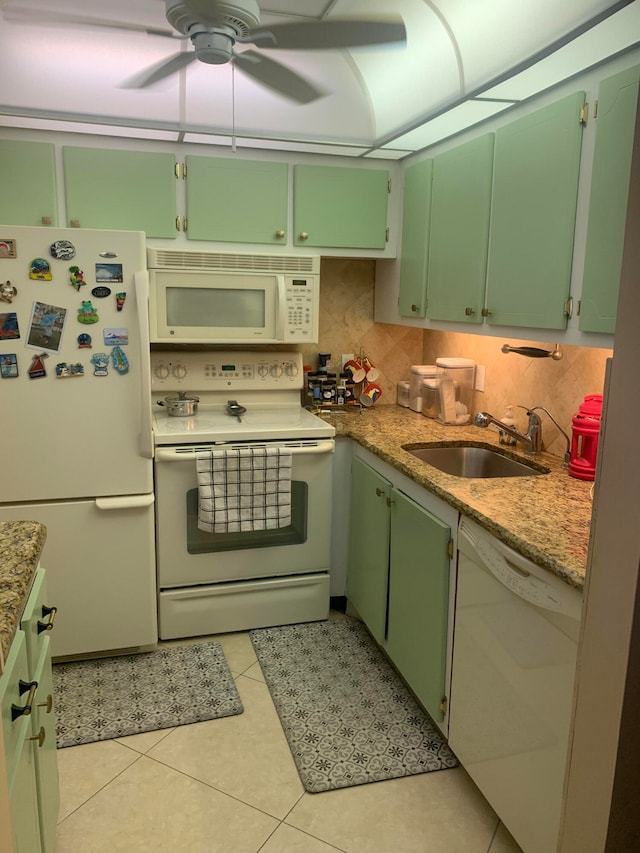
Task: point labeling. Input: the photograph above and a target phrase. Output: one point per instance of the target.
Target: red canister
(584, 439)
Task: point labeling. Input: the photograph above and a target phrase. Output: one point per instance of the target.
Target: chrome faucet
(532, 439)
(567, 454)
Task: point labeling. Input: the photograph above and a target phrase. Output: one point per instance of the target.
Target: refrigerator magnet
(64, 370)
(87, 313)
(40, 270)
(84, 341)
(9, 329)
(63, 250)
(101, 291)
(37, 368)
(46, 327)
(120, 361)
(115, 337)
(8, 248)
(7, 291)
(100, 362)
(120, 299)
(76, 278)
(109, 273)
(9, 365)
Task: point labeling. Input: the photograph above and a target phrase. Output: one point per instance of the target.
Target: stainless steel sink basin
(472, 461)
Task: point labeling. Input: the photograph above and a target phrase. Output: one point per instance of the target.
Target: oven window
(201, 542)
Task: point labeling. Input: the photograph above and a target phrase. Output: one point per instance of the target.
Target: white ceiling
(464, 61)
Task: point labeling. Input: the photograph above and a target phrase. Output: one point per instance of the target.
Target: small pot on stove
(180, 406)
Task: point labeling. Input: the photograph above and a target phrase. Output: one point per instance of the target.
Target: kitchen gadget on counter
(419, 372)
(455, 389)
(584, 438)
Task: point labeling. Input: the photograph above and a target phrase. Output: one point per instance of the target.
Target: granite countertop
(21, 544)
(544, 517)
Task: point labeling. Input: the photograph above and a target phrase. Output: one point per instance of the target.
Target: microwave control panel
(302, 300)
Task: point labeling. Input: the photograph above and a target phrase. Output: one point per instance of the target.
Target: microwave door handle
(141, 287)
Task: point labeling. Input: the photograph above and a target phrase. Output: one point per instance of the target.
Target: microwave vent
(177, 260)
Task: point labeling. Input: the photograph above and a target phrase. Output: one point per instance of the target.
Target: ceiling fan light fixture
(214, 48)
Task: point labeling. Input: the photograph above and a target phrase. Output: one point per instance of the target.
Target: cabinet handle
(485, 312)
(304, 235)
(51, 613)
(46, 220)
(379, 492)
(74, 223)
(469, 312)
(40, 737)
(48, 704)
(389, 502)
(414, 308)
(25, 711)
(280, 234)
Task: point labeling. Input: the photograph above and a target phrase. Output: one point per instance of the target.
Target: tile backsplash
(347, 326)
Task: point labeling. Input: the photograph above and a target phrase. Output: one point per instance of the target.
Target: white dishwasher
(514, 660)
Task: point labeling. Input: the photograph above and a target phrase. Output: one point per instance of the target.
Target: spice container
(403, 393)
(419, 372)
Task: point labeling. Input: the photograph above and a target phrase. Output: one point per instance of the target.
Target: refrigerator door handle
(141, 285)
(125, 502)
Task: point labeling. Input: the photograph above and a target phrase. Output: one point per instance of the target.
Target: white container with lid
(430, 398)
(403, 393)
(419, 372)
(456, 384)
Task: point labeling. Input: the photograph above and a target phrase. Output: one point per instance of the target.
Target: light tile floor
(230, 786)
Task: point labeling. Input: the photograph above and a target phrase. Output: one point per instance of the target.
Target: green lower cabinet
(340, 207)
(120, 190)
(28, 181)
(535, 192)
(419, 600)
(236, 201)
(414, 252)
(368, 574)
(615, 129)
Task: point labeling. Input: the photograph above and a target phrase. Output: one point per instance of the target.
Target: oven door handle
(164, 454)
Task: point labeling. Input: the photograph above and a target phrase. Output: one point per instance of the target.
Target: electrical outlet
(480, 373)
(345, 357)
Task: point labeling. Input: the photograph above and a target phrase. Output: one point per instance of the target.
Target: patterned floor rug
(349, 719)
(119, 696)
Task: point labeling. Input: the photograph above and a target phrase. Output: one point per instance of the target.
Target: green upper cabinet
(535, 189)
(28, 183)
(120, 190)
(459, 232)
(236, 201)
(414, 252)
(340, 207)
(615, 128)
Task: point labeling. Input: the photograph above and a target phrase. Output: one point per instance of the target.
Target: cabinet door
(340, 207)
(236, 201)
(414, 253)
(535, 189)
(367, 576)
(28, 181)
(419, 600)
(120, 190)
(615, 129)
(459, 235)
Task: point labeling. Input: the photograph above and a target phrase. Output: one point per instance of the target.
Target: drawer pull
(25, 710)
(48, 704)
(40, 737)
(51, 613)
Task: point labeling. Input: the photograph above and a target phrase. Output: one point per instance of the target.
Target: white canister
(419, 372)
(403, 393)
(456, 385)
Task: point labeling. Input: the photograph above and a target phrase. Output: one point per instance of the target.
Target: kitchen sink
(473, 461)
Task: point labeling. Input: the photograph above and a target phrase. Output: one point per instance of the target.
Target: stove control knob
(161, 371)
(263, 370)
(291, 369)
(276, 370)
(179, 371)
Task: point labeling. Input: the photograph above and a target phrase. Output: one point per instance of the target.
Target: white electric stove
(211, 583)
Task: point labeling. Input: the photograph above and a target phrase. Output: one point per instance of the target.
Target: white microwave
(223, 298)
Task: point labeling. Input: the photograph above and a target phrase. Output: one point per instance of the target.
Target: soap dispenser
(510, 421)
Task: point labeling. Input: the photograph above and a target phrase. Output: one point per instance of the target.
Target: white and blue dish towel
(242, 489)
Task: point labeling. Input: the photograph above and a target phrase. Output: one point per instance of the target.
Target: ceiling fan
(215, 26)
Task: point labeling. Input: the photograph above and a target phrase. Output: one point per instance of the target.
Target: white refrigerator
(75, 426)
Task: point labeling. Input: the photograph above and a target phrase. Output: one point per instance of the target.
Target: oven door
(187, 556)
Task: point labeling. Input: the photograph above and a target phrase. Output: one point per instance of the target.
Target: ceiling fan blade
(323, 35)
(36, 17)
(277, 77)
(157, 72)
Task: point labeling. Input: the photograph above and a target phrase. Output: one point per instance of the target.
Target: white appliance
(514, 660)
(211, 583)
(223, 298)
(76, 426)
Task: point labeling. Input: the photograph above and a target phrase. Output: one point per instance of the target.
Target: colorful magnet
(63, 250)
(40, 270)
(87, 313)
(9, 365)
(7, 291)
(111, 273)
(115, 337)
(37, 369)
(120, 361)
(84, 341)
(9, 326)
(69, 371)
(100, 362)
(120, 299)
(76, 277)
(8, 248)
(101, 291)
